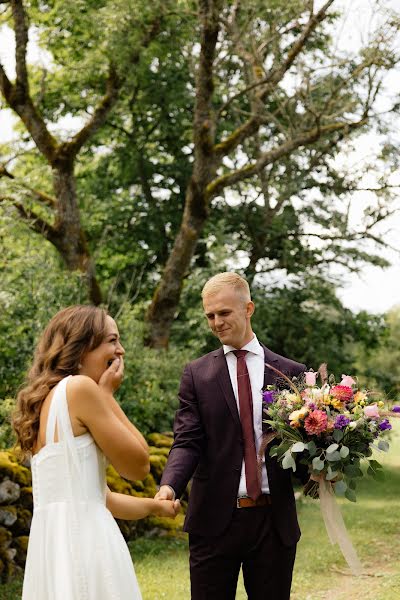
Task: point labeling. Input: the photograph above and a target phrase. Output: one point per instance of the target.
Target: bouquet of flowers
(331, 428)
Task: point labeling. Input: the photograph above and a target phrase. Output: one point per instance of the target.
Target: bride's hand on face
(112, 377)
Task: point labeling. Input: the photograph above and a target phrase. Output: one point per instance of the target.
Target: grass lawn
(320, 572)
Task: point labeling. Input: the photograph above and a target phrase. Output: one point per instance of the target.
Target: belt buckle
(238, 501)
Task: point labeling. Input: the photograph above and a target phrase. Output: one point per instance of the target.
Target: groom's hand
(165, 493)
(166, 508)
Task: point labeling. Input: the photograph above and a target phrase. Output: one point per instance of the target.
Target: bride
(69, 422)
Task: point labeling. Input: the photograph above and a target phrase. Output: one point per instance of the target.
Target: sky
(374, 289)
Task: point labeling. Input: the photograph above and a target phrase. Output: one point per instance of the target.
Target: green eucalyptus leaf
(352, 471)
(338, 435)
(312, 448)
(350, 495)
(333, 456)
(332, 448)
(383, 445)
(318, 464)
(288, 462)
(298, 447)
(340, 487)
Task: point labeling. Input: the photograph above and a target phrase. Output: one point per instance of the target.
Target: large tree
(56, 215)
(224, 131)
(268, 84)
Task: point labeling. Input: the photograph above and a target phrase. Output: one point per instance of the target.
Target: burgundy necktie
(246, 418)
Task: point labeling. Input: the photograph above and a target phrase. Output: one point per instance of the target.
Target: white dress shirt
(255, 361)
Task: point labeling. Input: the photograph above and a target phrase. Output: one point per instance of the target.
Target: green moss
(5, 536)
(21, 543)
(157, 465)
(23, 523)
(26, 498)
(10, 467)
(154, 451)
(116, 483)
(160, 440)
(167, 527)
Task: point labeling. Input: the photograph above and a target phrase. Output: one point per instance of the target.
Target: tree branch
(114, 84)
(307, 137)
(33, 220)
(21, 42)
(269, 82)
(98, 118)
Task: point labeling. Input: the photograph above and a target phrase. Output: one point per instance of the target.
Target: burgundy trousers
(249, 542)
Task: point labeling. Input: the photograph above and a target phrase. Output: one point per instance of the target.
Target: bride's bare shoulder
(83, 387)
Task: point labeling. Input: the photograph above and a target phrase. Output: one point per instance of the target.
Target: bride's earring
(79, 366)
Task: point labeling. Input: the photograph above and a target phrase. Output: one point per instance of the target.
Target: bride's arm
(131, 508)
(109, 382)
(126, 449)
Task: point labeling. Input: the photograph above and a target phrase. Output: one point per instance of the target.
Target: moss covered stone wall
(16, 504)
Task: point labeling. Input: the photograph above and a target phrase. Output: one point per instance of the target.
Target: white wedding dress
(76, 550)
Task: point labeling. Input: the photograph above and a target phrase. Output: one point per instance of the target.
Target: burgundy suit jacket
(208, 448)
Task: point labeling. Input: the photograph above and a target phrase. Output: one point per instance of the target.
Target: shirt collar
(253, 346)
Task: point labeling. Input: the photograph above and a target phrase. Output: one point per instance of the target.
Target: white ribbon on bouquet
(335, 526)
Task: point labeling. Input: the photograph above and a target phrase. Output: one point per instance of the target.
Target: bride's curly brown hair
(70, 334)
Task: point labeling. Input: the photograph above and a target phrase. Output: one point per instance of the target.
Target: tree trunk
(68, 236)
(166, 299)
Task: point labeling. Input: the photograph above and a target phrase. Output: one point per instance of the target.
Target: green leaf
(340, 487)
(318, 464)
(332, 448)
(383, 445)
(375, 472)
(375, 464)
(312, 448)
(338, 435)
(352, 471)
(288, 462)
(344, 452)
(333, 456)
(298, 447)
(350, 495)
(273, 451)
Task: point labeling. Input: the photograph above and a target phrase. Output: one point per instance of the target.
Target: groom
(235, 516)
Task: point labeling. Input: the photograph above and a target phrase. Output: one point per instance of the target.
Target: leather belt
(246, 502)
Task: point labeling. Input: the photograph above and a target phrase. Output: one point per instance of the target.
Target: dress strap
(59, 414)
(52, 416)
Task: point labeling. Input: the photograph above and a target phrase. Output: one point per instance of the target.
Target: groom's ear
(250, 308)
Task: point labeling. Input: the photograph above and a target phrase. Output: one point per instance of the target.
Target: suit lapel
(225, 384)
(269, 374)
(224, 380)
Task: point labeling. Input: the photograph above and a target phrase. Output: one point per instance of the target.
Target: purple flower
(268, 397)
(383, 425)
(341, 422)
(396, 408)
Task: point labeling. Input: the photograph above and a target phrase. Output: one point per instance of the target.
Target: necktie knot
(240, 353)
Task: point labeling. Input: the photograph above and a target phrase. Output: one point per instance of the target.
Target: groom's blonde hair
(227, 279)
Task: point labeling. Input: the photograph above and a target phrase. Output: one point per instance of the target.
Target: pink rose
(311, 378)
(371, 411)
(347, 380)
